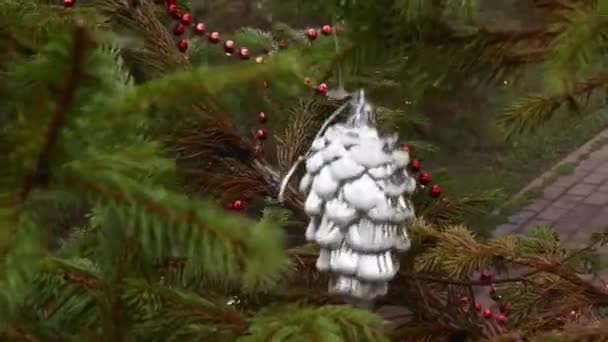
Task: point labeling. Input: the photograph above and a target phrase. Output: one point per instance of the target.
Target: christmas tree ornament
(182, 45)
(186, 18)
(326, 30)
(424, 178)
(415, 165)
(501, 319)
(261, 134)
(311, 34)
(487, 313)
(244, 53)
(322, 89)
(229, 46)
(435, 191)
(200, 28)
(214, 37)
(263, 117)
(357, 198)
(68, 3)
(179, 29)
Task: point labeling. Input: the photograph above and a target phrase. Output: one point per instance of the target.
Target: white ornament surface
(357, 197)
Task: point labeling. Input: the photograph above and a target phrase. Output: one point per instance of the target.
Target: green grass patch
(510, 166)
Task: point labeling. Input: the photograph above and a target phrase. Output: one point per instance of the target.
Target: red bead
(311, 33)
(229, 46)
(244, 53)
(504, 308)
(262, 117)
(477, 307)
(200, 28)
(487, 313)
(424, 178)
(172, 9)
(486, 277)
(501, 319)
(214, 37)
(179, 29)
(182, 45)
(415, 165)
(186, 18)
(238, 205)
(261, 134)
(322, 88)
(326, 29)
(68, 3)
(435, 190)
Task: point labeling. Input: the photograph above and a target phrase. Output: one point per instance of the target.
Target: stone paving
(575, 204)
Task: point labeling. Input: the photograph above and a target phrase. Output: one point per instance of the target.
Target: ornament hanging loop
(294, 167)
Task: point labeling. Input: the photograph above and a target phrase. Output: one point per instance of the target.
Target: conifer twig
(39, 173)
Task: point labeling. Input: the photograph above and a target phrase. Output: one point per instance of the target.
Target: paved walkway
(575, 204)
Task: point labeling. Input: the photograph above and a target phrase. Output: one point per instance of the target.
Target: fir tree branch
(40, 172)
(158, 55)
(532, 112)
(217, 244)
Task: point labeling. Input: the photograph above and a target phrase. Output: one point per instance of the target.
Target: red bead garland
(179, 29)
(415, 165)
(262, 117)
(322, 89)
(435, 191)
(311, 34)
(214, 37)
(487, 313)
(68, 3)
(424, 178)
(182, 45)
(261, 134)
(200, 28)
(186, 18)
(237, 205)
(229, 46)
(244, 53)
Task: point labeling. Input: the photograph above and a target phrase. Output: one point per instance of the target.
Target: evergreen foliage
(105, 125)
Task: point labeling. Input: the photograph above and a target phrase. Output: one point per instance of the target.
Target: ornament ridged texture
(357, 197)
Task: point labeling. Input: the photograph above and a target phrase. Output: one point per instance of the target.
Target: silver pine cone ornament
(357, 197)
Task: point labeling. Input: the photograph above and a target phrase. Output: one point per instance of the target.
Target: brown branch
(40, 172)
(19, 334)
(448, 281)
